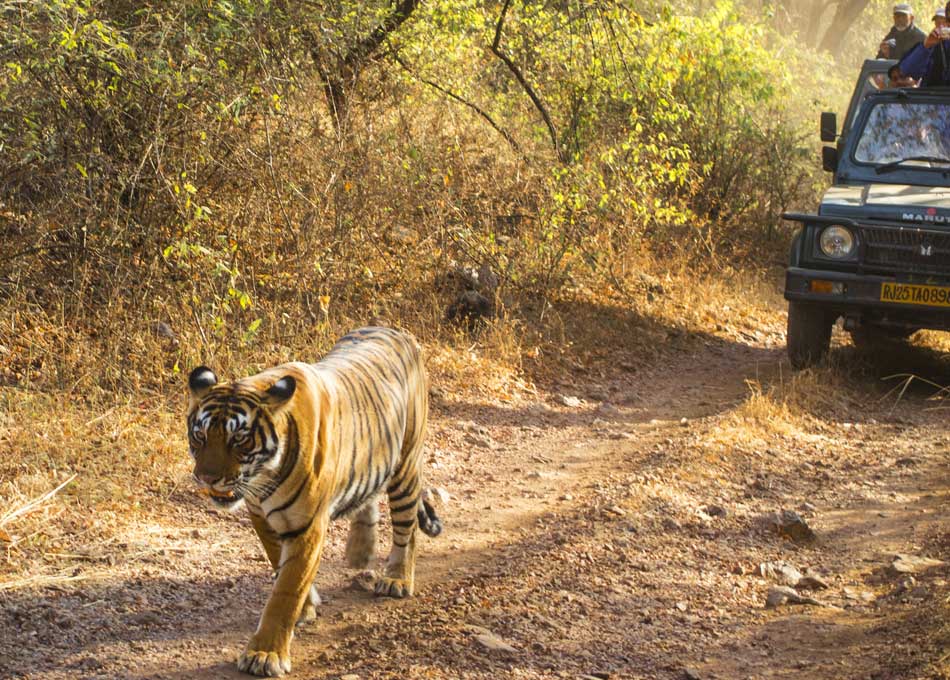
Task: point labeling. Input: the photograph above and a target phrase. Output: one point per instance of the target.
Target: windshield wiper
(894, 165)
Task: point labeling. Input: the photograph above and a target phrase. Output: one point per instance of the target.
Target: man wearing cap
(930, 60)
(902, 36)
(940, 18)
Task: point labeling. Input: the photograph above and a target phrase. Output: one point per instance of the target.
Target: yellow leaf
(5, 537)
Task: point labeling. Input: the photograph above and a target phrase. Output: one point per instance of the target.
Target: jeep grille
(907, 250)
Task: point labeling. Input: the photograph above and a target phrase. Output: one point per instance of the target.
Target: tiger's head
(231, 433)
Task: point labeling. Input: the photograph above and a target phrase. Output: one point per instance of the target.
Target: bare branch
(519, 76)
(364, 48)
(474, 107)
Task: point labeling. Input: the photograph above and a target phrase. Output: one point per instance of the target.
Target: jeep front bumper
(859, 297)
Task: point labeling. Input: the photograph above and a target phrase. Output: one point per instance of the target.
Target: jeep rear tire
(809, 334)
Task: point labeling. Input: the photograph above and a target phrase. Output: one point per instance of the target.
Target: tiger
(302, 444)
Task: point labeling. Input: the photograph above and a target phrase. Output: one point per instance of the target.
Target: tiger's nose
(208, 479)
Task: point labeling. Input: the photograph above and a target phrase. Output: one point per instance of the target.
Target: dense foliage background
(232, 181)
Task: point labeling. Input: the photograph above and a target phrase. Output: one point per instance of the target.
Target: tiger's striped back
(379, 373)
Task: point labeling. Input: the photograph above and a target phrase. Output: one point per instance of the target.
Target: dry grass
(126, 457)
(786, 413)
(487, 367)
(118, 459)
(742, 304)
(936, 340)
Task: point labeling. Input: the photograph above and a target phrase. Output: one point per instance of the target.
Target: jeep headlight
(836, 242)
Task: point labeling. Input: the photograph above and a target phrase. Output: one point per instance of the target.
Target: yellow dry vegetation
(118, 461)
(126, 459)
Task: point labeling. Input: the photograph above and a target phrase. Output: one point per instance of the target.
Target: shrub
(176, 163)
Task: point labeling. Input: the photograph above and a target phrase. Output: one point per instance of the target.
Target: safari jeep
(877, 253)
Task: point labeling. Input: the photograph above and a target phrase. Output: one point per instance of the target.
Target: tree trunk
(815, 11)
(845, 15)
(339, 78)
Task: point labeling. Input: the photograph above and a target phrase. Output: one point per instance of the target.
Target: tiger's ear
(281, 391)
(201, 380)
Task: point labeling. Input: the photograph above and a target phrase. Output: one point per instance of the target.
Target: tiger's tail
(429, 522)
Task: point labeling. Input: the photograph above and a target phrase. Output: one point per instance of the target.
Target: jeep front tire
(809, 334)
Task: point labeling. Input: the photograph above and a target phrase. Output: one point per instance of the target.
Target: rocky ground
(627, 523)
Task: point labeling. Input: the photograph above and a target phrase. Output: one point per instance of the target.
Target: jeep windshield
(906, 133)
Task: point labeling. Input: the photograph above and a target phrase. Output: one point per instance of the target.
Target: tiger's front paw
(393, 587)
(264, 664)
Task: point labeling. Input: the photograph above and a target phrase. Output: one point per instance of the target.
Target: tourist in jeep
(930, 60)
(940, 18)
(897, 78)
(903, 36)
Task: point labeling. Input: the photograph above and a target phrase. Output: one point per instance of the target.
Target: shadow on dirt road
(612, 539)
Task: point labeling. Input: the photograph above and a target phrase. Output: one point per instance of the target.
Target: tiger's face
(231, 434)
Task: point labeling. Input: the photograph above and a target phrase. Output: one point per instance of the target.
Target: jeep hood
(888, 202)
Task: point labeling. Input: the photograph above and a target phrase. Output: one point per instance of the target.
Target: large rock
(792, 525)
(779, 595)
(471, 308)
(493, 643)
(780, 572)
(812, 581)
(786, 574)
(437, 494)
(913, 564)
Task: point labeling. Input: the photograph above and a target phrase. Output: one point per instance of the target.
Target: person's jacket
(905, 40)
(932, 64)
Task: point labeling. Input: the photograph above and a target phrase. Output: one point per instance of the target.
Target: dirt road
(613, 536)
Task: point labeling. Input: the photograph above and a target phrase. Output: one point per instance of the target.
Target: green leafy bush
(191, 163)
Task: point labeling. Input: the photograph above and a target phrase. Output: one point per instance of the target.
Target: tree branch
(365, 47)
(348, 67)
(846, 13)
(474, 107)
(538, 104)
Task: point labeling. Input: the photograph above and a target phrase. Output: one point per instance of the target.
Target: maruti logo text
(917, 217)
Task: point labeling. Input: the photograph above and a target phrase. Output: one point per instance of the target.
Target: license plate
(909, 294)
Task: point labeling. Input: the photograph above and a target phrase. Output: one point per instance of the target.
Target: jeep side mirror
(829, 126)
(829, 158)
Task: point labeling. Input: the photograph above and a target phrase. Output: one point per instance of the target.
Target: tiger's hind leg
(361, 542)
(309, 611)
(399, 579)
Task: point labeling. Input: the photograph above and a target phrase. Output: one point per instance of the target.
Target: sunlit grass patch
(741, 305)
(116, 459)
(802, 405)
(485, 365)
(937, 340)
